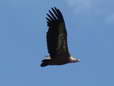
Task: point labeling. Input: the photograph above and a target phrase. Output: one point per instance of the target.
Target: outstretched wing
(56, 35)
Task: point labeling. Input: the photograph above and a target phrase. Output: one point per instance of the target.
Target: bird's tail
(45, 63)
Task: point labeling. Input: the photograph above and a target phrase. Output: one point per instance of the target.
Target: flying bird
(57, 40)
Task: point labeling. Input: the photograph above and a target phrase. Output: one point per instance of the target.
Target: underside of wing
(56, 35)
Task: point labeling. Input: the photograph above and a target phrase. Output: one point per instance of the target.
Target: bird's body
(59, 61)
(57, 40)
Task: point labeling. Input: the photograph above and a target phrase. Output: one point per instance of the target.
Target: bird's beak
(78, 60)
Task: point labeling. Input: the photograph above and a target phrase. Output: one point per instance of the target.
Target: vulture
(57, 40)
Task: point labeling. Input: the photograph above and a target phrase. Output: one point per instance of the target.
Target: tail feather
(45, 62)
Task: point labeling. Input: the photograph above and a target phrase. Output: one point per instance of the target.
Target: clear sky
(90, 26)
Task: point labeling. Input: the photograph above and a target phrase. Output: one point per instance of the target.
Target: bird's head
(73, 60)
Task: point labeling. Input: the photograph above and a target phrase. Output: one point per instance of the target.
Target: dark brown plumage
(57, 40)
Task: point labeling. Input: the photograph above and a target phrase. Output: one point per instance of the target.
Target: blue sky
(90, 26)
